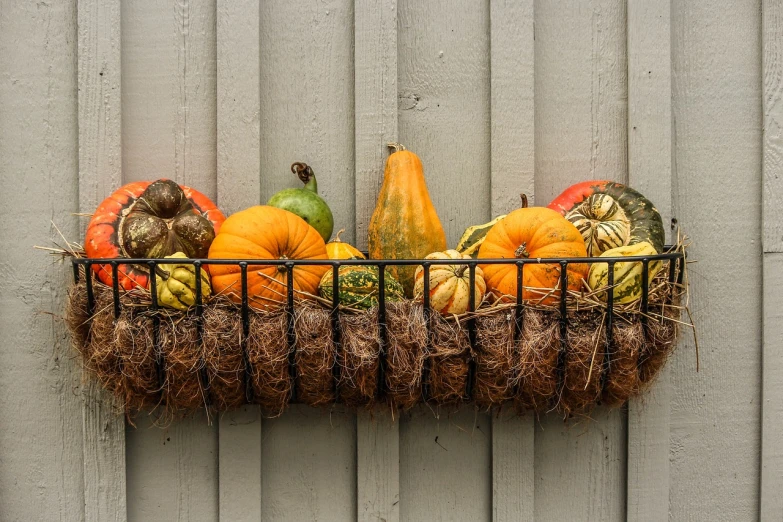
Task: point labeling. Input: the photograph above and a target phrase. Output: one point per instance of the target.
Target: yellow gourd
(338, 249)
(176, 283)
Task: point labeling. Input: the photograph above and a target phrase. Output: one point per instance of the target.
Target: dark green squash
(358, 287)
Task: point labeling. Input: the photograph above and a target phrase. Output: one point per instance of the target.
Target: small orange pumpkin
(264, 232)
(532, 233)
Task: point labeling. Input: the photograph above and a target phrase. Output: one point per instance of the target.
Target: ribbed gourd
(627, 275)
(359, 287)
(450, 284)
(404, 224)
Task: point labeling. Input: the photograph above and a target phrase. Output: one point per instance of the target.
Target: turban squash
(610, 215)
(150, 220)
(531, 233)
(264, 232)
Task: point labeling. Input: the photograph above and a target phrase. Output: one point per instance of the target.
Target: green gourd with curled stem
(305, 202)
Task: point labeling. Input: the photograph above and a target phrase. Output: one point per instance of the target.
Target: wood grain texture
(444, 105)
(309, 465)
(513, 461)
(307, 100)
(650, 172)
(581, 133)
(375, 88)
(238, 187)
(772, 391)
(772, 57)
(172, 471)
(239, 453)
(169, 130)
(168, 92)
(377, 467)
(238, 105)
(100, 173)
(512, 160)
(445, 465)
(41, 455)
(715, 435)
(772, 240)
(375, 62)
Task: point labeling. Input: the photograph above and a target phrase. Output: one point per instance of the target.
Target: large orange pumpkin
(531, 233)
(264, 232)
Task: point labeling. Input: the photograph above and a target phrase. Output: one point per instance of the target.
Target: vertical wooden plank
(772, 56)
(375, 84)
(772, 236)
(445, 465)
(650, 172)
(100, 153)
(307, 114)
(717, 113)
(512, 160)
(444, 117)
(444, 101)
(771, 443)
(238, 187)
(168, 130)
(581, 133)
(309, 465)
(42, 472)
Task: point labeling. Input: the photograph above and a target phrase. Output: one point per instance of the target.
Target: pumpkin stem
(337, 236)
(162, 273)
(461, 271)
(523, 196)
(306, 175)
(522, 251)
(396, 147)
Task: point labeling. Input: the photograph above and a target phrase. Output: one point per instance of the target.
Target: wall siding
(498, 98)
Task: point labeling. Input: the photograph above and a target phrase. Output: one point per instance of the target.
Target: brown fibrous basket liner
(211, 364)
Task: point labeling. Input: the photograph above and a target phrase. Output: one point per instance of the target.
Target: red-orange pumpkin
(532, 233)
(264, 232)
(150, 220)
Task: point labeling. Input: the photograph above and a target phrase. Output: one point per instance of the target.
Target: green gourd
(305, 202)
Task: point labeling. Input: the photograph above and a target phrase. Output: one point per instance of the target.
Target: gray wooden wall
(682, 99)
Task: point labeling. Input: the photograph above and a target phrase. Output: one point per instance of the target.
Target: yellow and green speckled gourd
(404, 224)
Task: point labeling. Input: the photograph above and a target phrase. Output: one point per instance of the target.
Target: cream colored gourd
(176, 284)
(627, 275)
(450, 284)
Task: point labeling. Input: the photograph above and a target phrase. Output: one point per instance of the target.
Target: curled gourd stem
(396, 147)
(303, 171)
(337, 236)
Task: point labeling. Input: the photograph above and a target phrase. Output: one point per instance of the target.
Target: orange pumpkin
(533, 233)
(264, 232)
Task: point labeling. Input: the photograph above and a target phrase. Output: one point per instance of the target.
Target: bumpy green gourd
(305, 202)
(358, 287)
(176, 283)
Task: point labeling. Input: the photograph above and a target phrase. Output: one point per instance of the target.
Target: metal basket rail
(675, 257)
